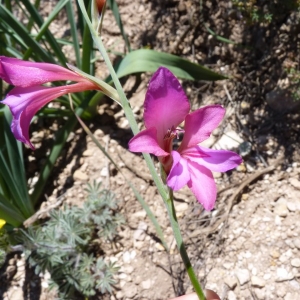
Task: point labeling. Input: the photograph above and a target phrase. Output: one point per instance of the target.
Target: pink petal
(179, 174)
(214, 160)
(166, 104)
(199, 125)
(202, 185)
(25, 102)
(25, 73)
(146, 141)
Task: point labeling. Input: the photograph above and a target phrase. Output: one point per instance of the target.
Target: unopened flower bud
(100, 5)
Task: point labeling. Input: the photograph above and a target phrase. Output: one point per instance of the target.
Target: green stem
(180, 245)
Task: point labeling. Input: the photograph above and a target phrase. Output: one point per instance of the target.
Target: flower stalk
(181, 247)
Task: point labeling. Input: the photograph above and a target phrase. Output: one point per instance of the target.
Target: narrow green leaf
(48, 35)
(44, 32)
(218, 37)
(7, 17)
(74, 33)
(10, 213)
(145, 60)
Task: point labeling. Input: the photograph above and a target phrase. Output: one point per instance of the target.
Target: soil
(248, 247)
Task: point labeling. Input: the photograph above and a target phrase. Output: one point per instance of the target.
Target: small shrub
(64, 245)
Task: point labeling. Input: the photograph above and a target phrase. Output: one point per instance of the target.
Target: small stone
(295, 262)
(17, 293)
(119, 295)
(260, 294)
(275, 254)
(130, 291)
(291, 296)
(159, 247)
(140, 232)
(139, 235)
(229, 140)
(104, 172)
(257, 282)
(79, 175)
(146, 285)
(231, 296)
(283, 275)
(243, 276)
(88, 152)
(297, 243)
(282, 100)
(295, 183)
(280, 208)
(291, 206)
(128, 256)
(228, 265)
(245, 197)
(182, 207)
(139, 214)
(231, 282)
(281, 291)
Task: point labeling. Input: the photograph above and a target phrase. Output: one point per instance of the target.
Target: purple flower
(29, 95)
(166, 106)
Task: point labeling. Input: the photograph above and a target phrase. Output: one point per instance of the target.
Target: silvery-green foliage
(64, 245)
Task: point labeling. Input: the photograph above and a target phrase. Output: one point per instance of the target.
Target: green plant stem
(181, 247)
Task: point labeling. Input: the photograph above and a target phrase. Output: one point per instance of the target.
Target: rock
(128, 256)
(182, 207)
(146, 284)
(260, 294)
(88, 152)
(281, 291)
(79, 175)
(283, 275)
(119, 295)
(231, 296)
(140, 232)
(295, 183)
(291, 206)
(229, 141)
(281, 100)
(243, 276)
(139, 214)
(257, 282)
(291, 296)
(104, 172)
(275, 254)
(280, 208)
(295, 262)
(297, 243)
(16, 293)
(231, 282)
(130, 291)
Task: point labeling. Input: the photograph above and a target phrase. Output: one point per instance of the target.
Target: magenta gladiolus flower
(29, 95)
(166, 106)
